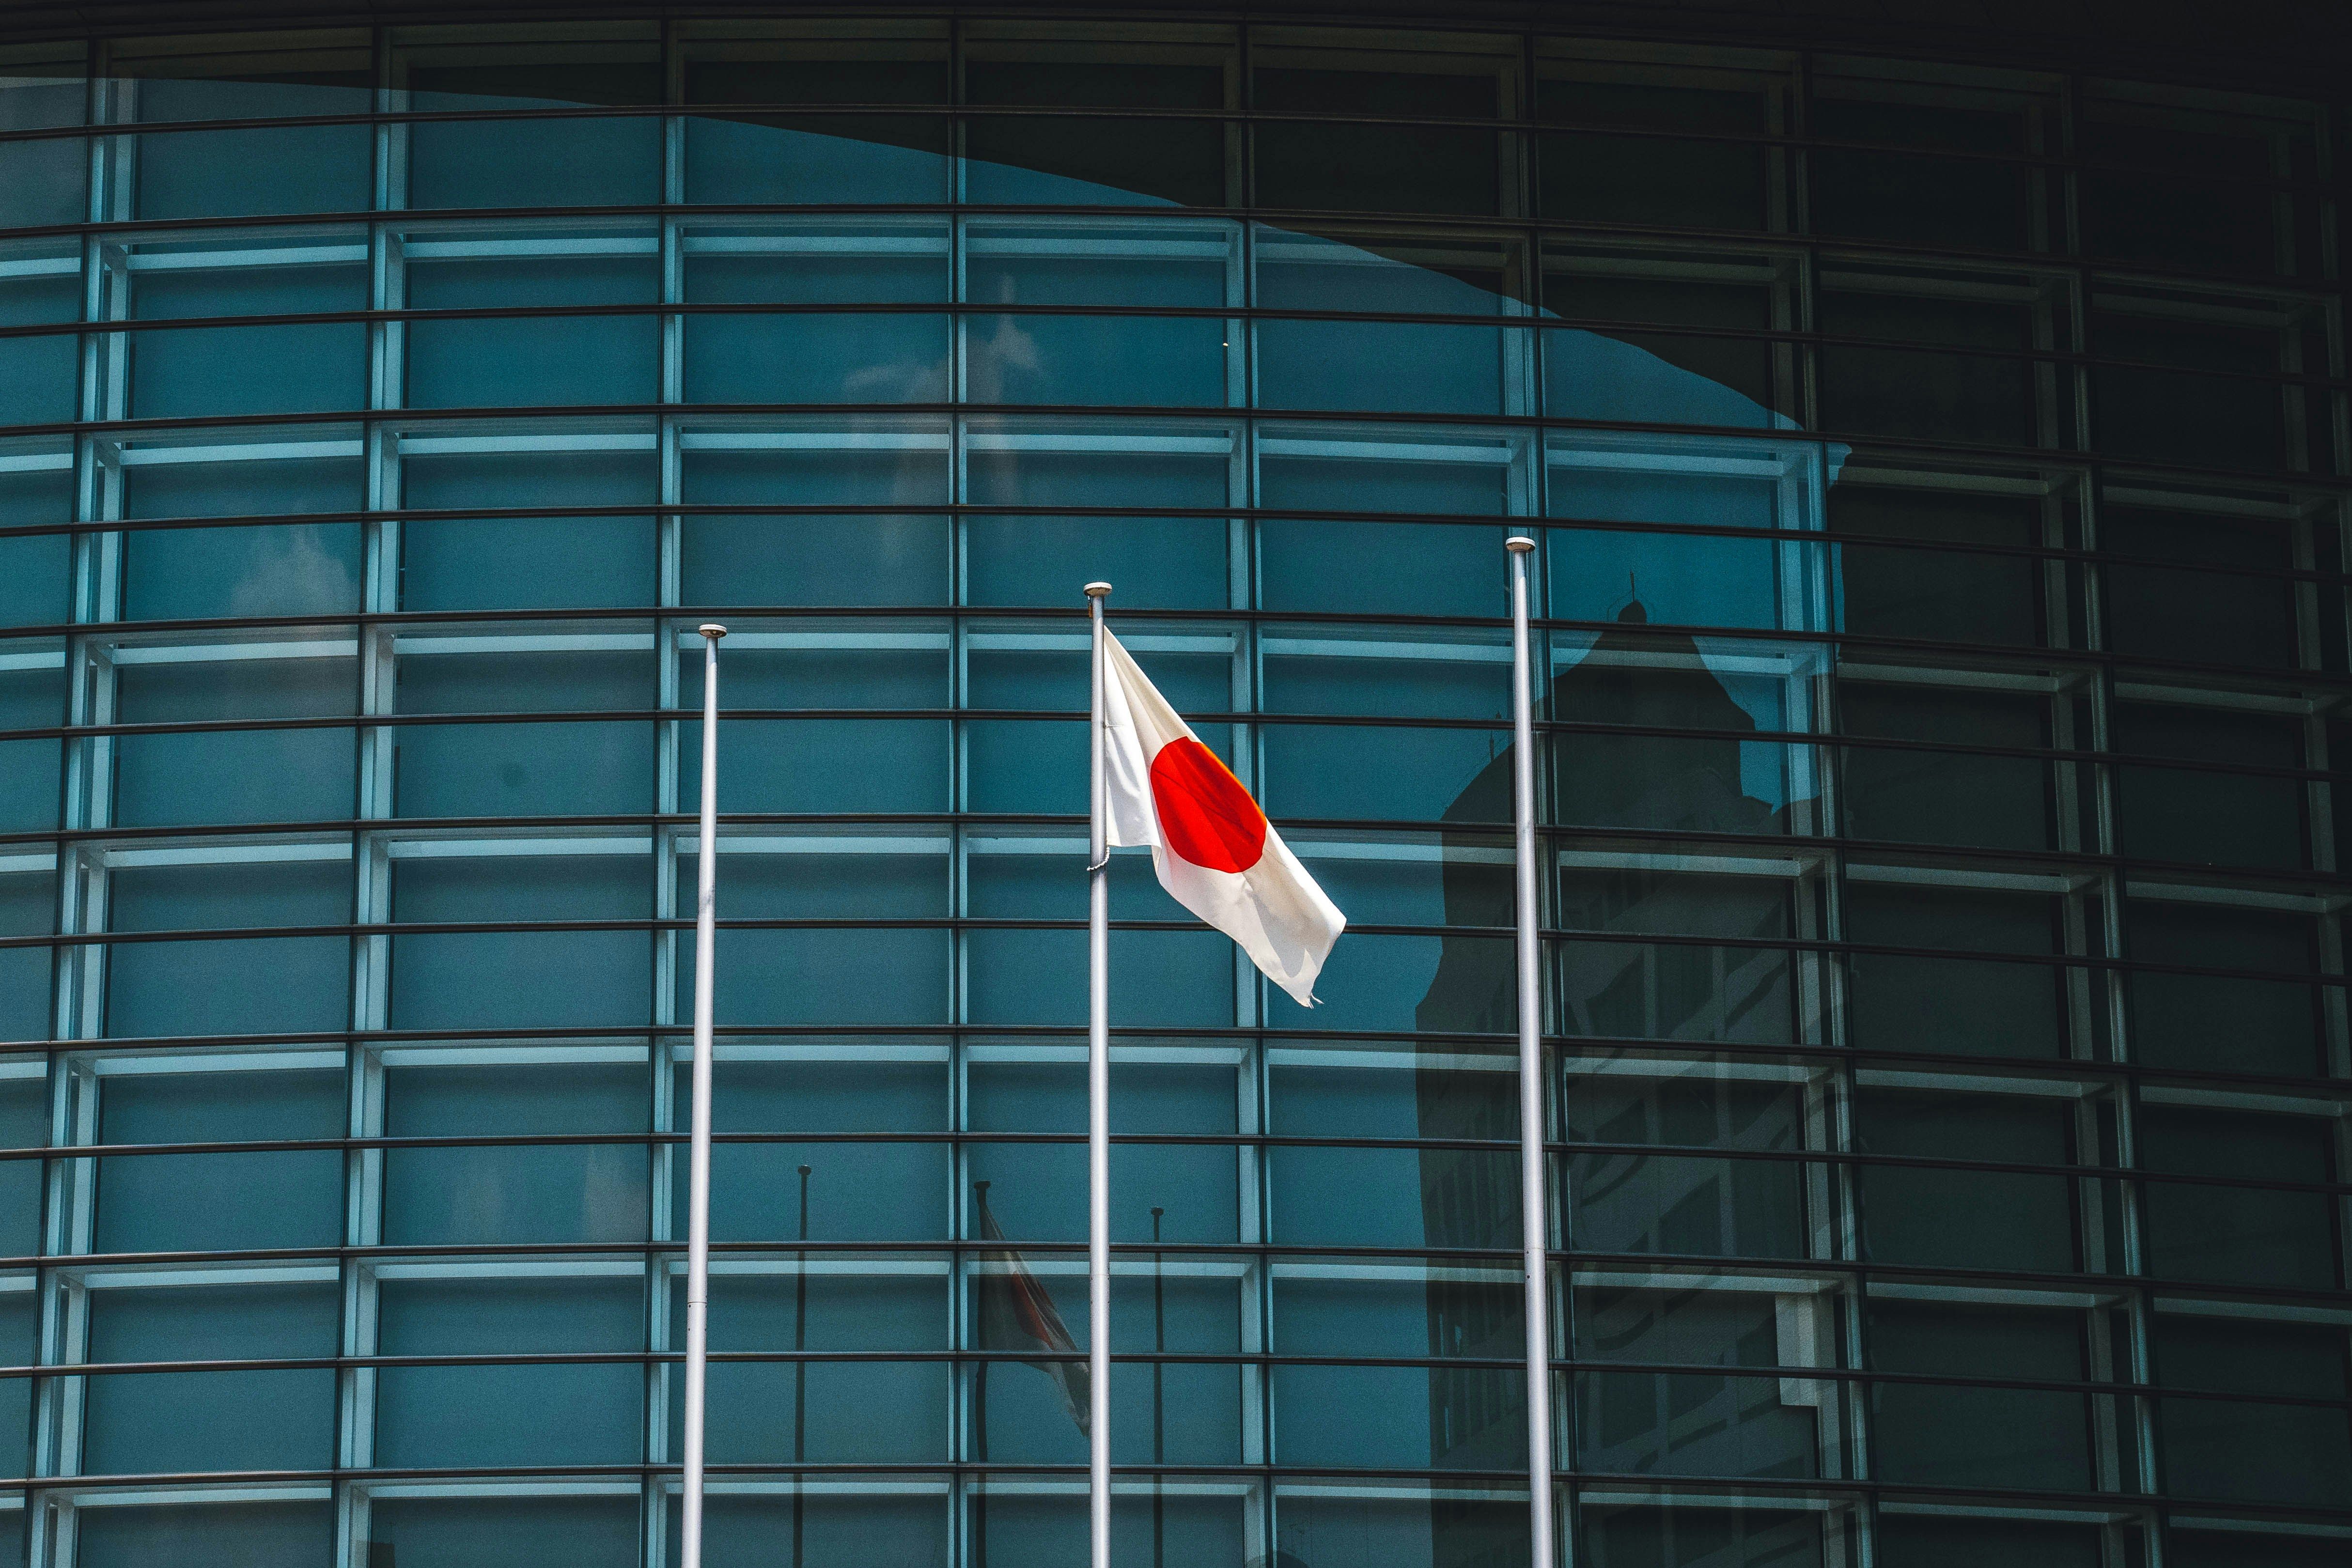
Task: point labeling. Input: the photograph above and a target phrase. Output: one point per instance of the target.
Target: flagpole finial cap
(1097, 590)
(1518, 544)
(712, 630)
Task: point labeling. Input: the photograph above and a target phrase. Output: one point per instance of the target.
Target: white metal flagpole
(1532, 1232)
(697, 1221)
(1098, 1114)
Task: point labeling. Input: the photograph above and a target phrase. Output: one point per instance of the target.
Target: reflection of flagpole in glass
(1159, 1431)
(800, 1368)
(1098, 1110)
(698, 1181)
(1533, 1234)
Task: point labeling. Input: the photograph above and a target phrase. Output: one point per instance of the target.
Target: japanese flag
(1215, 852)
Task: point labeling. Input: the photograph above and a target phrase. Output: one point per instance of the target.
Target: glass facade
(1938, 472)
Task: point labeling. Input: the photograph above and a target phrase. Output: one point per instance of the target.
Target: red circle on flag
(1205, 813)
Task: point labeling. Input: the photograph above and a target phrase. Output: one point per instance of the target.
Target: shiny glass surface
(1939, 477)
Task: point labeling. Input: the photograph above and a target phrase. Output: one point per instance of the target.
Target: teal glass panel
(859, 1190)
(20, 1330)
(47, 180)
(815, 559)
(279, 569)
(283, 568)
(1646, 378)
(1177, 978)
(25, 1124)
(1051, 1530)
(211, 372)
(31, 698)
(1018, 764)
(823, 764)
(230, 1200)
(253, 169)
(864, 1412)
(483, 979)
(493, 361)
(560, 163)
(173, 1421)
(872, 1192)
(849, 1412)
(1395, 1528)
(40, 378)
(290, 985)
(1341, 1196)
(814, 158)
(256, 171)
(234, 775)
(1350, 1417)
(1167, 563)
(323, 684)
(205, 1535)
(241, 985)
(552, 770)
(910, 1526)
(1386, 774)
(1365, 568)
(199, 287)
(1384, 367)
(538, 563)
(490, 1194)
(2228, 1548)
(590, 1532)
(499, 1414)
(825, 976)
(1040, 1193)
(815, 358)
(2174, 187)
(35, 568)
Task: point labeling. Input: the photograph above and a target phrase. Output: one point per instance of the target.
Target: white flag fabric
(1214, 851)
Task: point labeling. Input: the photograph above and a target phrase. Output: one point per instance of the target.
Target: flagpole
(1098, 1114)
(698, 1208)
(1533, 1232)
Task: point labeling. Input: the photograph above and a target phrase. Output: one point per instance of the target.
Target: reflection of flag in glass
(1015, 1313)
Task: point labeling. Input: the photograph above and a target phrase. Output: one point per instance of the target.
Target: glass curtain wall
(1938, 475)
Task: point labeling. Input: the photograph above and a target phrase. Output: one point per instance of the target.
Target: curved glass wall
(1938, 479)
